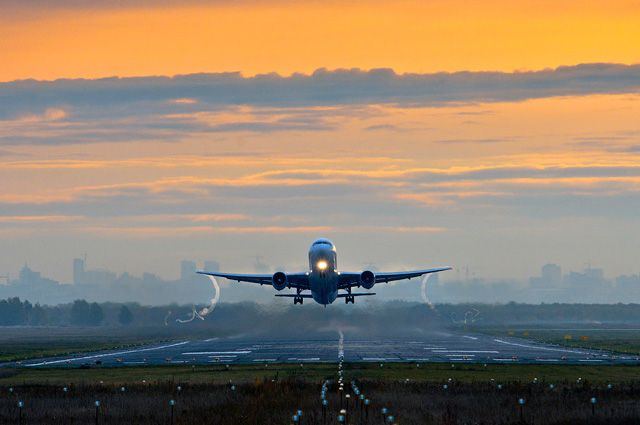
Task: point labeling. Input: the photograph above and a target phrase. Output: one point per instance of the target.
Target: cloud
(173, 109)
(473, 141)
(323, 87)
(389, 196)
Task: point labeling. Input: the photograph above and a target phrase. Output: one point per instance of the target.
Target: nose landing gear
(297, 300)
(349, 299)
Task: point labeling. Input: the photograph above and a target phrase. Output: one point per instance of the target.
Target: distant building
(595, 274)
(187, 269)
(550, 277)
(212, 266)
(28, 277)
(552, 274)
(82, 276)
(78, 271)
(150, 278)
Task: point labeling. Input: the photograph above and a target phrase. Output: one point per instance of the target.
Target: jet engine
(367, 279)
(279, 281)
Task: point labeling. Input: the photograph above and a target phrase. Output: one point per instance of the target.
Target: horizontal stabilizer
(364, 294)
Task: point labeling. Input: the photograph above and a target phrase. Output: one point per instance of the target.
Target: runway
(451, 347)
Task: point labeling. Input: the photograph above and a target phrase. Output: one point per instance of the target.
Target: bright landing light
(322, 265)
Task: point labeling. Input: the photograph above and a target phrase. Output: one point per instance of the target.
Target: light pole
(97, 404)
(521, 402)
(172, 403)
(384, 412)
(593, 405)
(20, 406)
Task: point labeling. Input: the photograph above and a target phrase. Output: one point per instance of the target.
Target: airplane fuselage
(323, 277)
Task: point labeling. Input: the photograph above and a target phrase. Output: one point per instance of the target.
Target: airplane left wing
(388, 277)
(348, 279)
(294, 280)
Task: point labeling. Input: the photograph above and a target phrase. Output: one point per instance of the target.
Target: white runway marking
(589, 360)
(470, 337)
(298, 359)
(547, 360)
(460, 355)
(379, 359)
(208, 353)
(504, 360)
(462, 352)
(265, 360)
(225, 356)
(536, 347)
(99, 356)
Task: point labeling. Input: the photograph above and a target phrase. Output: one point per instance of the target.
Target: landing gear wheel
(297, 300)
(349, 299)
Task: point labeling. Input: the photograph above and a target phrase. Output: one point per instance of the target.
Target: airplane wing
(348, 279)
(294, 280)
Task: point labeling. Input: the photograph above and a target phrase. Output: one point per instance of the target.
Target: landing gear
(349, 299)
(297, 300)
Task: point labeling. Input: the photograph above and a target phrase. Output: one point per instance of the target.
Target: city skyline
(552, 284)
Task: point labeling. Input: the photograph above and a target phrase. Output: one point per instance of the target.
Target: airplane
(323, 279)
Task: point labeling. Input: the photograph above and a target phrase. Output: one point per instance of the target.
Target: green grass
(426, 372)
(22, 343)
(626, 341)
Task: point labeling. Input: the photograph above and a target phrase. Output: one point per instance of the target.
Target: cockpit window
(322, 242)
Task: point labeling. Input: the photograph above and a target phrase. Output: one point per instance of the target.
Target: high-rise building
(187, 269)
(78, 271)
(552, 274)
(211, 266)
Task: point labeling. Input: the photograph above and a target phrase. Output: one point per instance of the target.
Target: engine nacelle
(367, 279)
(279, 281)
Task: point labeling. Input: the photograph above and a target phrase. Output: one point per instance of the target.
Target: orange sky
(285, 38)
(129, 178)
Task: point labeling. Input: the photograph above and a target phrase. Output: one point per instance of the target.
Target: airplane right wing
(294, 280)
(350, 279)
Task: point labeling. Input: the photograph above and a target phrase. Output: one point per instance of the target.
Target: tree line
(14, 312)
(391, 315)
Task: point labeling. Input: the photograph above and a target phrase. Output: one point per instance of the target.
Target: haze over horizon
(375, 126)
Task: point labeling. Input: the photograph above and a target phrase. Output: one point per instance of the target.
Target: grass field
(21, 343)
(426, 372)
(433, 395)
(620, 340)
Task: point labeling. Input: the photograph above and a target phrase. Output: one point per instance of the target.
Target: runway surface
(449, 347)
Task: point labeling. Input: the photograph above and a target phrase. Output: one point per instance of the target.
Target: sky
(492, 135)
